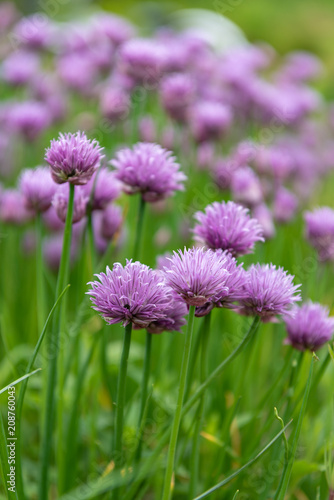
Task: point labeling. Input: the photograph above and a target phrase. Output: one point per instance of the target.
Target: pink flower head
(37, 188)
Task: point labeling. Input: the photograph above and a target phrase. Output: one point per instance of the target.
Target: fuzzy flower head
(197, 275)
(148, 169)
(130, 294)
(29, 118)
(37, 188)
(12, 208)
(60, 203)
(227, 226)
(73, 158)
(269, 292)
(102, 189)
(320, 231)
(309, 327)
(111, 221)
(174, 320)
(235, 287)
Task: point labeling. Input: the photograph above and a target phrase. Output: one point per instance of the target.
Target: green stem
(139, 230)
(193, 357)
(121, 396)
(40, 275)
(285, 478)
(91, 241)
(54, 348)
(179, 404)
(152, 460)
(144, 389)
(194, 468)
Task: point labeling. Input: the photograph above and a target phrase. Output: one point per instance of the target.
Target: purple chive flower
(227, 226)
(264, 217)
(197, 275)
(52, 221)
(111, 221)
(52, 251)
(143, 60)
(29, 118)
(269, 292)
(150, 170)
(147, 129)
(20, 67)
(12, 208)
(102, 189)
(309, 327)
(209, 120)
(130, 294)
(77, 71)
(177, 92)
(285, 205)
(246, 187)
(115, 103)
(37, 188)
(34, 31)
(174, 320)
(235, 287)
(60, 203)
(117, 29)
(320, 231)
(73, 158)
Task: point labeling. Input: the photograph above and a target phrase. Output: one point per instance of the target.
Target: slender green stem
(285, 478)
(193, 357)
(40, 275)
(53, 348)
(91, 242)
(121, 385)
(178, 411)
(149, 464)
(144, 389)
(194, 469)
(139, 230)
(296, 365)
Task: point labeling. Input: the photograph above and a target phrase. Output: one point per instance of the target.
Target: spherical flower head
(73, 158)
(177, 92)
(143, 60)
(111, 221)
(264, 216)
(38, 188)
(235, 287)
(309, 327)
(29, 118)
(174, 320)
(227, 226)
(117, 29)
(285, 205)
(20, 67)
(150, 170)
(30, 31)
(60, 203)
(320, 231)
(269, 292)
(147, 129)
(131, 294)
(12, 208)
(209, 120)
(52, 251)
(246, 187)
(115, 103)
(197, 275)
(102, 189)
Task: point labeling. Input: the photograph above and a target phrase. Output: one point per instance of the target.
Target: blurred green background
(284, 24)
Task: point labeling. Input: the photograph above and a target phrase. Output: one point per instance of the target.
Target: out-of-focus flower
(20, 67)
(115, 103)
(147, 129)
(300, 66)
(143, 60)
(52, 250)
(197, 275)
(8, 15)
(263, 215)
(320, 231)
(117, 29)
(34, 31)
(235, 287)
(38, 188)
(285, 205)
(60, 203)
(29, 118)
(102, 189)
(150, 170)
(131, 294)
(309, 327)
(227, 226)
(177, 92)
(174, 320)
(246, 187)
(52, 221)
(209, 120)
(73, 158)
(12, 208)
(111, 221)
(269, 292)
(223, 170)
(77, 71)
